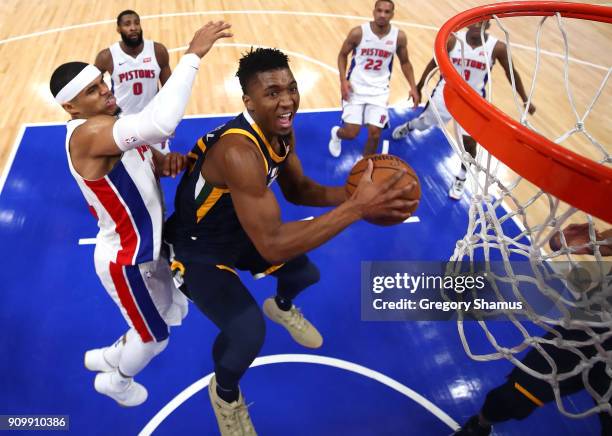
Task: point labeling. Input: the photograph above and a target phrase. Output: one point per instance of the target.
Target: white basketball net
(496, 198)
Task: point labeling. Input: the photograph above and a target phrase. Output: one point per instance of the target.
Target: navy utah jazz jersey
(204, 226)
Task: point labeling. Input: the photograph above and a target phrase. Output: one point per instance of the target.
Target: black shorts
(565, 360)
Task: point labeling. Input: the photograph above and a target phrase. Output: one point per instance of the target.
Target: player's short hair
(259, 60)
(64, 74)
(388, 1)
(124, 13)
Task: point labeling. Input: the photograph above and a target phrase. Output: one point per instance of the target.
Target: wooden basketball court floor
(369, 378)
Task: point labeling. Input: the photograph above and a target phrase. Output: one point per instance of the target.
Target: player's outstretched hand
(173, 164)
(207, 35)
(380, 201)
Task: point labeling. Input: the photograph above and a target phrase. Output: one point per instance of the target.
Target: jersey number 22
(372, 64)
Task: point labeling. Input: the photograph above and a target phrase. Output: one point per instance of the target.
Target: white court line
(233, 114)
(189, 14)
(92, 241)
(273, 12)
(385, 147)
(194, 116)
(304, 358)
(9, 162)
(286, 51)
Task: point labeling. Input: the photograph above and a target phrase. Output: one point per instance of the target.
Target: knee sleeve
(137, 354)
(506, 402)
(244, 337)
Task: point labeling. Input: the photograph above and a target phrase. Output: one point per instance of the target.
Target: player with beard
(136, 67)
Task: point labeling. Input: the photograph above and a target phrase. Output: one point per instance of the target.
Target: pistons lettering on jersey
(136, 74)
(470, 63)
(375, 52)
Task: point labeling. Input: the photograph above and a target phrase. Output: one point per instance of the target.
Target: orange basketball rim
(574, 179)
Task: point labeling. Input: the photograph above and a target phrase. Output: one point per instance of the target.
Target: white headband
(76, 85)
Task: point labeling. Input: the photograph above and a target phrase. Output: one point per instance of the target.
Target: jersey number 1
(137, 88)
(372, 64)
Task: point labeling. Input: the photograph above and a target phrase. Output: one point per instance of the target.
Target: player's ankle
(283, 304)
(482, 421)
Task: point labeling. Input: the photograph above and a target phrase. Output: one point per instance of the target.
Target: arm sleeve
(158, 120)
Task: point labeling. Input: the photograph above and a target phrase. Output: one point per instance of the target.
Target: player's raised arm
(259, 212)
(104, 61)
(105, 135)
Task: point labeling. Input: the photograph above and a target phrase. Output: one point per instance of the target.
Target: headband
(77, 84)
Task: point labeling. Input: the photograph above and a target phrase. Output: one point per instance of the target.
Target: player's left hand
(416, 96)
(173, 164)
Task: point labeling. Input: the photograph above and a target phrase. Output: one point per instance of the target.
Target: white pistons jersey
(474, 68)
(128, 205)
(372, 62)
(134, 80)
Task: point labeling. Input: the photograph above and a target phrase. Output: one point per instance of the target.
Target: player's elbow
(272, 250)
(272, 254)
(293, 196)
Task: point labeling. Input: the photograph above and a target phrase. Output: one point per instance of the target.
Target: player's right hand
(346, 89)
(383, 200)
(207, 35)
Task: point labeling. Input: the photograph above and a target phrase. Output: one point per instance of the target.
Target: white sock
(137, 354)
(334, 133)
(112, 353)
(462, 174)
(119, 380)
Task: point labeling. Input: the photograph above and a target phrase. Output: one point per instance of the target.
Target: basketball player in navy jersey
(117, 173)
(522, 393)
(467, 44)
(137, 66)
(365, 89)
(227, 218)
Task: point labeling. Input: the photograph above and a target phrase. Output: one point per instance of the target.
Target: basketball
(385, 165)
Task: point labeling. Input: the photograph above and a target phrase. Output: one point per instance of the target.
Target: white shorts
(437, 99)
(366, 109)
(145, 294)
